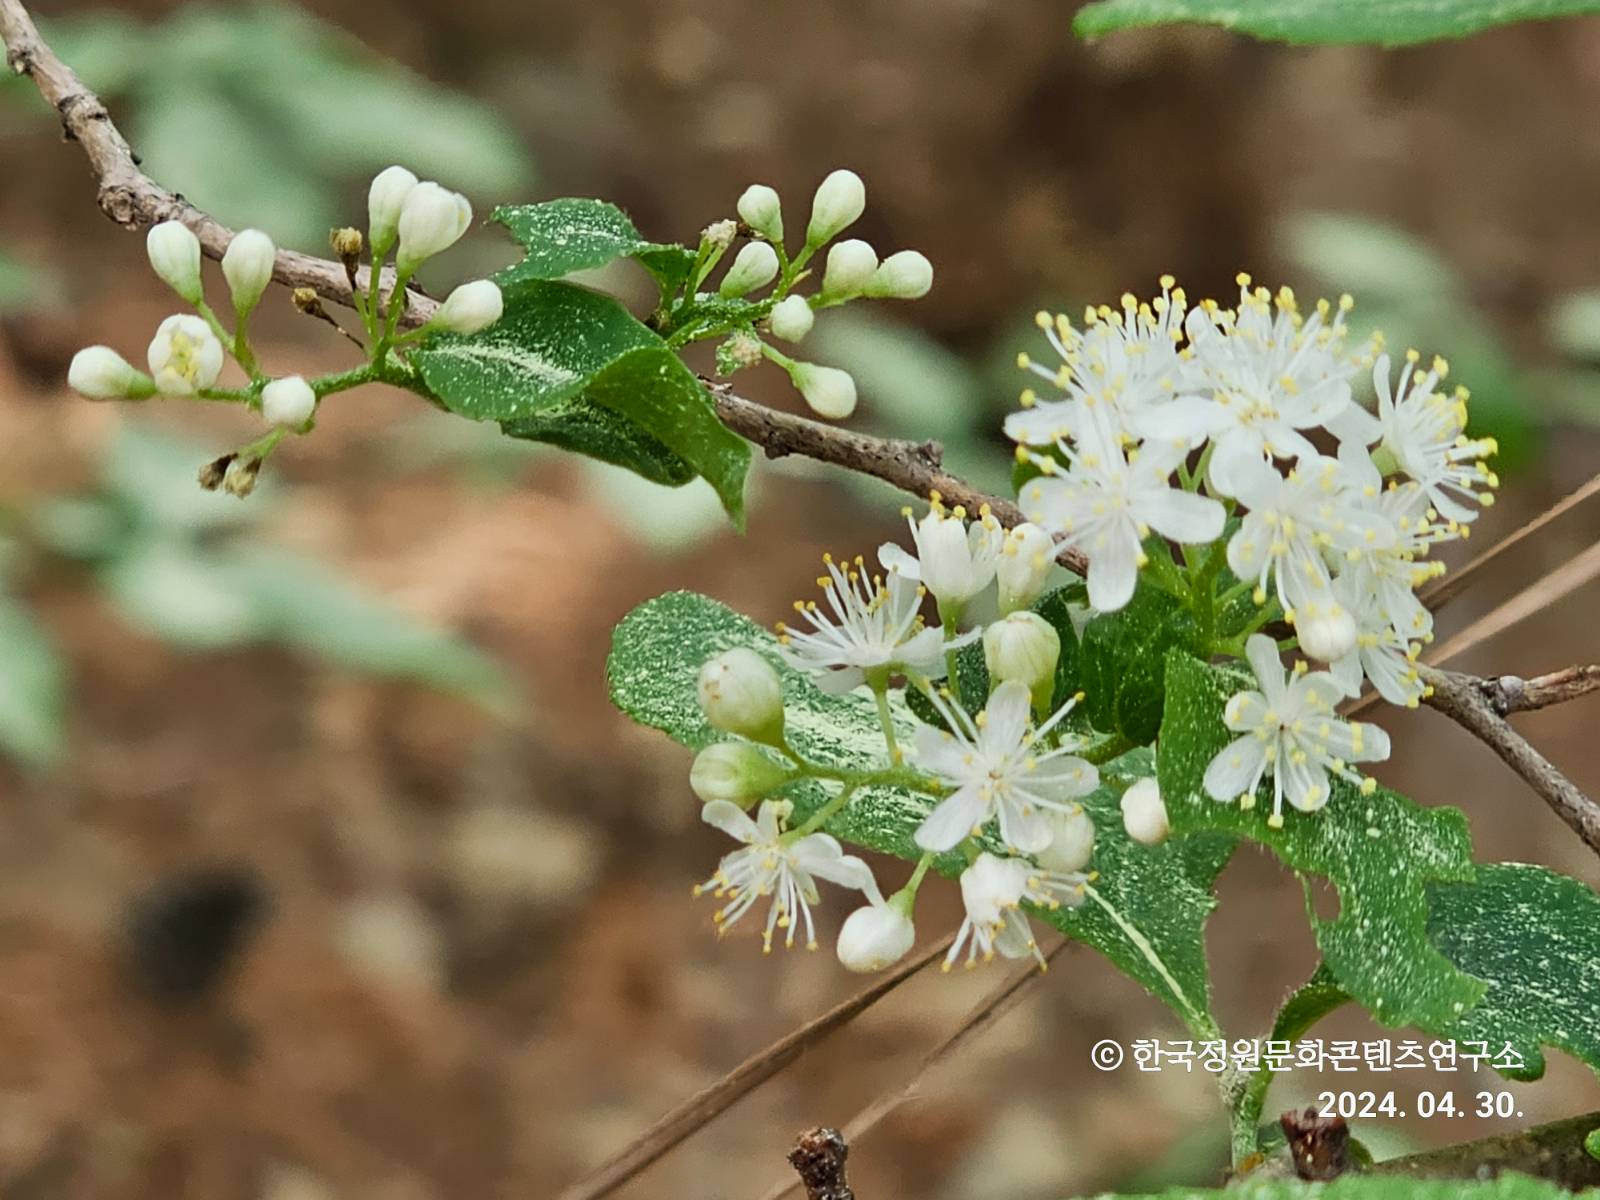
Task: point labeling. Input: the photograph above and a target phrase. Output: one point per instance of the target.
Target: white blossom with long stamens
(1424, 431)
(778, 865)
(954, 560)
(1381, 654)
(868, 625)
(993, 890)
(1289, 730)
(999, 766)
(1107, 503)
(1273, 374)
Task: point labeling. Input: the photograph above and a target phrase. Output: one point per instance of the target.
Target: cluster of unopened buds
(851, 271)
(1184, 450)
(414, 219)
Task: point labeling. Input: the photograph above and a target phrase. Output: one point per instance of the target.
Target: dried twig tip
(818, 1158)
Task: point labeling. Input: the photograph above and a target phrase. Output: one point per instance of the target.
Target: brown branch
(135, 201)
(705, 1106)
(1554, 1151)
(1509, 694)
(985, 1013)
(1468, 701)
(1444, 589)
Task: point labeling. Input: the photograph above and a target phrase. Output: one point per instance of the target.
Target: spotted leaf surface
(1380, 851)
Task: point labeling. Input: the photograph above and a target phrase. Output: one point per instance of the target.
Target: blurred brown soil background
(479, 970)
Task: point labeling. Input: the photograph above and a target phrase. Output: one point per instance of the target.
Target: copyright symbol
(1106, 1055)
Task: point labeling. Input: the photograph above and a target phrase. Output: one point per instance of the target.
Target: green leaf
(32, 689)
(1121, 665)
(1160, 896)
(1308, 1004)
(1380, 851)
(1534, 936)
(584, 427)
(1328, 22)
(654, 390)
(1510, 1186)
(557, 343)
(563, 236)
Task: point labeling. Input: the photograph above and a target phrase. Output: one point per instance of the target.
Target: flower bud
(100, 373)
(247, 266)
(1327, 631)
(839, 201)
(760, 209)
(288, 402)
(1144, 816)
(850, 267)
(432, 219)
(239, 479)
(829, 391)
(471, 307)
(904, 275)
(185, 356)
(1072, 844)
(385, 198)
(1023, 647)
(755, 266)
(175, 254)
(735, 772)
(1023, 567)
(875, 937)
(740, 693)
(791, 319)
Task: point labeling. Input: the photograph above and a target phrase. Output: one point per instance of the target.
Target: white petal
(1235, 769)
(837, 683)
(1042, 424)
(1005, 719)
(953, 820)
(1234, 459)
(1113, 574)
(731, 819)
(1181, 516)
(1262, 652)
(896, 561)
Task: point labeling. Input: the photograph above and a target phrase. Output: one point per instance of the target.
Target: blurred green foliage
(25, 286)
(187, 566)
(263, 115)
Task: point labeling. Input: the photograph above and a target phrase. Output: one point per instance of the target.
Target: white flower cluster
(1010, 772)
(1340, 540)
(188, 352)
(851, 271)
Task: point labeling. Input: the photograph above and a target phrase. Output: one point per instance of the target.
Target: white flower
(954, 560)
(829, 391)
(288, 402)
(471, 307)
(869, 627)
(875, 937)
(1295, 522)
(904, 275)
(755, 266)
(1122, 372)
(1272, 373)
(1026, 555)
(850, 267)
(1025, 647)
(385, 200)
(772, 863)
(998, 766)
(1390, 577)
(432, 219)
(1423, 430)
(1289, 730)
(175, 255)
(992, 892)
(1144, 815)
(185, 356)
(1106, 506)
(840, 199)
(100, 373)
(247, 266)
(760, 208)
(736, 772)
(739, 692)
(791, 318)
